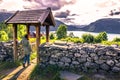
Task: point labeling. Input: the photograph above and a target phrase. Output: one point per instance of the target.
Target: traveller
(27, 50)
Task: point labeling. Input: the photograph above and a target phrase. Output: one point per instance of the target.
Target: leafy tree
(21, 31)
(3, 36)
(88, 38)
(62, 31)
(102, 36)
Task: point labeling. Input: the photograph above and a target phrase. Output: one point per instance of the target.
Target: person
(27, 50)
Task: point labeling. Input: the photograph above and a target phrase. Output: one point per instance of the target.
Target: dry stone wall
(6, 51)
(82, 57)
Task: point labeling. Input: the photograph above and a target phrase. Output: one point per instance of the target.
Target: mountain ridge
(110, 25)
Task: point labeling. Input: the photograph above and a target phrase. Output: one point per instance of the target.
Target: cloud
(77, 11)
(1, 1)
(62, 14)
(54, 4)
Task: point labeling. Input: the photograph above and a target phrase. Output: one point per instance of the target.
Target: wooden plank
(47, 33)
(15, 41)
(38, 42)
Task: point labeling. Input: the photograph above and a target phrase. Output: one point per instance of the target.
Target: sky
(71, 12)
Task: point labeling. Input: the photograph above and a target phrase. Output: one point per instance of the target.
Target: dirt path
(21, 73)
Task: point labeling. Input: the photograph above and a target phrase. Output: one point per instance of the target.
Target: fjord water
(111, 36)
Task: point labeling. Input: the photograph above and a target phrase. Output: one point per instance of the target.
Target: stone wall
(6, 51)
(82, 57)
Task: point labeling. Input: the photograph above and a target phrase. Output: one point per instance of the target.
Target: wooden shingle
(32, 16)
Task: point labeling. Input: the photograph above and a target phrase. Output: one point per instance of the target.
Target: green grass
(50, 72)
(33, 55)
(84, 78)
(110, 43)
(9, 65)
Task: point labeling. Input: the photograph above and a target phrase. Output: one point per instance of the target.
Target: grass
(9, 65)
(33, 55)
(50, 72)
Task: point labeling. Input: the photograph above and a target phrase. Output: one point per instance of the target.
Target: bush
(102, 36)
(62, 31)
(3, 36)
(116, 39)
(71, 35)
(52, 36)
(88, 38)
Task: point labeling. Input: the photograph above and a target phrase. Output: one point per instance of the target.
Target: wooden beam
(38, 42)
(47, 33)
(15, 41)
(28, 30)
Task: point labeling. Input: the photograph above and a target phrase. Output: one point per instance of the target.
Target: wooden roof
(42, 16)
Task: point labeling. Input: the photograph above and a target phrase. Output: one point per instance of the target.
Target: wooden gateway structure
(37, 18)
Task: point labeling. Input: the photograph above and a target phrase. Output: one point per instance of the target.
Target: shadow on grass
(17, 74)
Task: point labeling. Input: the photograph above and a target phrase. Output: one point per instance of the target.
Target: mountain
(4, 15)
(110, 25)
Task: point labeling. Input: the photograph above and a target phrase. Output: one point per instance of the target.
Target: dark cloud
(74, 15)
(54, 4)
(62, 14)
(68, 20)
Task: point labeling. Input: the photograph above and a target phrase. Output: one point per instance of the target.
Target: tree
(88, 38)
(62, 31)
(102, 36)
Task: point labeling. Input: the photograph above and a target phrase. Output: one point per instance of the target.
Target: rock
(61, 64)
(84, 55)
(118, 64)
(116, 69)
(100, 61)
(88, 65)
(111, 53)
(94, 56)
(52, 62)
(82, 51)
(100, 51)
(89, 59)
(110, 62)
(104, 67)
(77, 55)
(82, 60)
(66, 59)
(99, 77)
(75, 62)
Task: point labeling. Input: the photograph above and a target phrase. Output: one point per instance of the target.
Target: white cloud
(85, 10)
(11, 5)
(90, 10)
